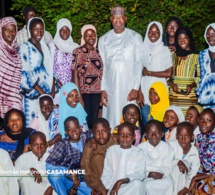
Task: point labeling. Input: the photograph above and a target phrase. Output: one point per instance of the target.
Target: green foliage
(196, 14)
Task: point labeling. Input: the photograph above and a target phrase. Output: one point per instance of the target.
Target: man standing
(120, 52)
(22, 35)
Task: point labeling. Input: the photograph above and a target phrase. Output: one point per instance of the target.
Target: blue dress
(33, 73)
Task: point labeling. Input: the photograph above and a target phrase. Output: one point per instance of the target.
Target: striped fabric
(186, 71)
(10, 72)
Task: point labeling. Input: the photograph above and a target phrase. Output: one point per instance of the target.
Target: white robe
(158, 159)
(27, 184)
(192, 162)
(8, 181)
(122, 72)
(124, 163)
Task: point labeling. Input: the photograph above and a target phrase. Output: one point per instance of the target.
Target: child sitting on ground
(186, 159)
(205, 143)
(66, 156)
(32, 164)
(124, 166)
(172, 117)
(93, 160)
(8, 181)
(131, 114)
(47, 120)
(192, 116)
(159, 156)
(159, 98)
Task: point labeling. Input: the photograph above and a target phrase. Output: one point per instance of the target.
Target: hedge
(196, 14)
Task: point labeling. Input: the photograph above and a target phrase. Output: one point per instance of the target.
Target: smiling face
(73, 130)
(15, 122)
(64, 33)
(170, 120)
(9, 33)
(101, 133)
(72, 98)
(37, 32)
(184, 137)
(153, 96)
(171, 28)
(118, 21)
(210, 36)
(46, 107)
(154, 33)
(38, 146)
(125, 137)
(206, 122)
(131, 114)
(184, 41)
(90, 37)
(154, 134)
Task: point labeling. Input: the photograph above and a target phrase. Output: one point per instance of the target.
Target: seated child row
(106, 165)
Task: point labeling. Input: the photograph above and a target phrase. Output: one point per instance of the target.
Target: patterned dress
(62, 65)
(206, 145)
(186, 71)
(206, 87)
(33, 73)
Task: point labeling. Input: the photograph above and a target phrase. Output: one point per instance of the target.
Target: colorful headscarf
(68, 45)
(178, 112)
(182, 52)
(66, 110)
(211, 48)
(166, 36)
(47, 62)
(83, 29)
(10, 69)
(150, 47)
(158, 110)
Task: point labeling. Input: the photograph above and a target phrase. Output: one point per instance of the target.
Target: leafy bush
(196, 14)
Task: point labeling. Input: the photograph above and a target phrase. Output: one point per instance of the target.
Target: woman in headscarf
(10, 67)
(157, 65)
(15, 137)
(61, 50)
(37, 69)
(185, 71)
(172, 25)
(87, 68)
(206, 87)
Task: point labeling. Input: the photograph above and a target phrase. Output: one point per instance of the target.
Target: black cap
(28, 9)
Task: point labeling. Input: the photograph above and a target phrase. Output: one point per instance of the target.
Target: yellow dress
(186, 71)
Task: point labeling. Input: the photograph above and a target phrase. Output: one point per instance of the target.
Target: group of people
(156, 134)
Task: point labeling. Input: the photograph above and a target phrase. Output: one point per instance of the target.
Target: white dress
(122, 72)
(27, 184)
(161, 60)
(158, 159)
(124, 163)
(8, 185)
(192, 162)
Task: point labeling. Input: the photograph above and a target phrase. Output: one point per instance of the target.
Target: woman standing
(157, 65)
(206, 88)
(186, 71)
(87, 65)
(61, 50)
(37, 69)
(172, 25)
(10, 67)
